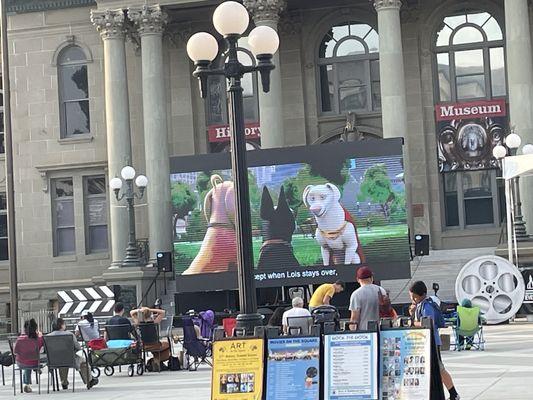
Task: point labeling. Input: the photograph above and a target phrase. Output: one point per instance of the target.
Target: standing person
(118, 319)
(27, 348)
(277, 317)
(422, 307)
(365, 301)
(160, 349)
(324, 293)
(296, 311)
(87, 327)
(60, 328)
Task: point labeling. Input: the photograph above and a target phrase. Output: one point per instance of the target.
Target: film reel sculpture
(494, 285)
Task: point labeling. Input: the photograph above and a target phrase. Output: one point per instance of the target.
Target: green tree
(255, 201)
(377, 187)
(183, 201)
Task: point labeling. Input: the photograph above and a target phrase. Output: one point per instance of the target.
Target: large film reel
(494, 285)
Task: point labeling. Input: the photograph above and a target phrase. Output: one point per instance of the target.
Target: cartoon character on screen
(218, 252)
(336, 232)
(278, 226)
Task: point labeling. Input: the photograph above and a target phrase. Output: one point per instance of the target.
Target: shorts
(439, 358)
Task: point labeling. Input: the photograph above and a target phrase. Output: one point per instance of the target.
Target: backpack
(439, 317)
(6, 359)
(174, 363)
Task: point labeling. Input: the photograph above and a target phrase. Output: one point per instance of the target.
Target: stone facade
(36, 35)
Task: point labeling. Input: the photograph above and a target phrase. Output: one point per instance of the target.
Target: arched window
(470, 65)
(470, 57)
(73, 92)
(348, 62)
(217, 106)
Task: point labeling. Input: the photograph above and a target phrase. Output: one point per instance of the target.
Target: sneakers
(27, 389)
(92, 382)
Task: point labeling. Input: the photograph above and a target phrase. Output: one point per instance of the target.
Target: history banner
(350, 365)
(405, 364)
(237, 369)
(293, 368)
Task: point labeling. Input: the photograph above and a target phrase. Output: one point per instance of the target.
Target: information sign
(237, 369)
(350, 365)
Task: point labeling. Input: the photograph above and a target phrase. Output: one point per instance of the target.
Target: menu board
(405, 364)
(293, 368)
(237, 369)
(350, 365)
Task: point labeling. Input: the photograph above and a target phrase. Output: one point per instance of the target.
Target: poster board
(405, 364)
(293, 368)
(351, 366)
(237, 369)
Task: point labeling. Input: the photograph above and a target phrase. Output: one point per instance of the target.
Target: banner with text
(467, 133)
(237, 369)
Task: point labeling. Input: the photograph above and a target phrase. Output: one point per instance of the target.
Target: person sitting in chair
(161, 349)
(297, 311)
(27, 350)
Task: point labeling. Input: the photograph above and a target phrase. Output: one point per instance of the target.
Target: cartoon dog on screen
(336, 233)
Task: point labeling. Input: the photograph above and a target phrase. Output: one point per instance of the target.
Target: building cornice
(27, 6)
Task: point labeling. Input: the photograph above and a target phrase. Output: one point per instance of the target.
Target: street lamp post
(512, 143)
(128, 174)
(231, 20)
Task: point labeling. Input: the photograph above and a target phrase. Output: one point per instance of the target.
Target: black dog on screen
(278, 226)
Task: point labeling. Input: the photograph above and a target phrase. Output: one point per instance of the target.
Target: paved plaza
(500, 372)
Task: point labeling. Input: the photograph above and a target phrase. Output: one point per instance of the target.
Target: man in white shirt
(297, 310)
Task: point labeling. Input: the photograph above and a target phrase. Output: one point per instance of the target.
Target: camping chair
(299, 325)
(60, 353)
(16, 368)
(114, 332)
(149, 335)
(229, 325)
(195, 348)
(469, 326)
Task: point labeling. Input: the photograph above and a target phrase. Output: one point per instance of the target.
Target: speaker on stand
(164, 264)
(421, 245)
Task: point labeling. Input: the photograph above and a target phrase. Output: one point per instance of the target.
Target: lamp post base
(520, 229)
(249, 322)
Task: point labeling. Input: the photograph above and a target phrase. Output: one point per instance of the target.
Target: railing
(44, 319)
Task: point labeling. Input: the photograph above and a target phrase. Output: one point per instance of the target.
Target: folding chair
(195, 348)
(469, 327)
(114, 332)
(149, 335)
(16, 368)
(60, 353)
(299, 325)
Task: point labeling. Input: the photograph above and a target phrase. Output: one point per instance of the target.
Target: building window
(63, 216)
(73, 92)
(470, 65)
(217, 106)
(470, 58)
(2, 143)
(95, 214)
(4, 252)
(348, 64)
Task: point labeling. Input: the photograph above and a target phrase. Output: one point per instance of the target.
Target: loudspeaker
(164, 261)
(421, 245)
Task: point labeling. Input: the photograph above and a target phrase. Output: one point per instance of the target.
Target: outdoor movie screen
(317, 214)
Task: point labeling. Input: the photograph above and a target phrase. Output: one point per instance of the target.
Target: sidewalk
(500, 372)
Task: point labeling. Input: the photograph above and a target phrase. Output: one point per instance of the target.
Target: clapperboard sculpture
(98, 300)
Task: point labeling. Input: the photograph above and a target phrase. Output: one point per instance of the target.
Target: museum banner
(467, 132)
(237, 369)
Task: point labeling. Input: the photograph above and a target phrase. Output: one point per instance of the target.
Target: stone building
(100, 84)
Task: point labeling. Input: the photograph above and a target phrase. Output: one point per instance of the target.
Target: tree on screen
(377, 187)
(183, 201)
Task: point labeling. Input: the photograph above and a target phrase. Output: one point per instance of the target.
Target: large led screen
(317, 214)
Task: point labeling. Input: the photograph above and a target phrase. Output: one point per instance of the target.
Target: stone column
(150, 21)
(391, 70)
(520, 84)
(110, 25)
(266, 12)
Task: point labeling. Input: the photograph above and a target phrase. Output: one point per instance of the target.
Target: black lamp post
(128, 174)
(231, 20)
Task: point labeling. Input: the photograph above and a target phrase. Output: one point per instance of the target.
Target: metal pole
(10, 188)
(132, 252)
(519, 223)
(248, 318)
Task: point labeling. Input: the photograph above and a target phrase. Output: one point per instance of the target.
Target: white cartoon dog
(335, 232)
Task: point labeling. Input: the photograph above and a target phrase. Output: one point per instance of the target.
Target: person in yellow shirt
(323, 295)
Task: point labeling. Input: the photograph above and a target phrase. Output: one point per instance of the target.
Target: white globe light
(499, 152)
(202, 46)
(115, 183)
(127, 173)
(231, 18)
(513, 141)
(263, 40)
(141, 181)
(527, 149)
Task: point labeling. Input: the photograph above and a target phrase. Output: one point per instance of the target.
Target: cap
(364, 273)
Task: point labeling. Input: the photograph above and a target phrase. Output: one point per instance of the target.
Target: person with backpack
(423, 306)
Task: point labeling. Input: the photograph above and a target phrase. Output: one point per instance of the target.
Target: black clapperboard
(98, 300)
